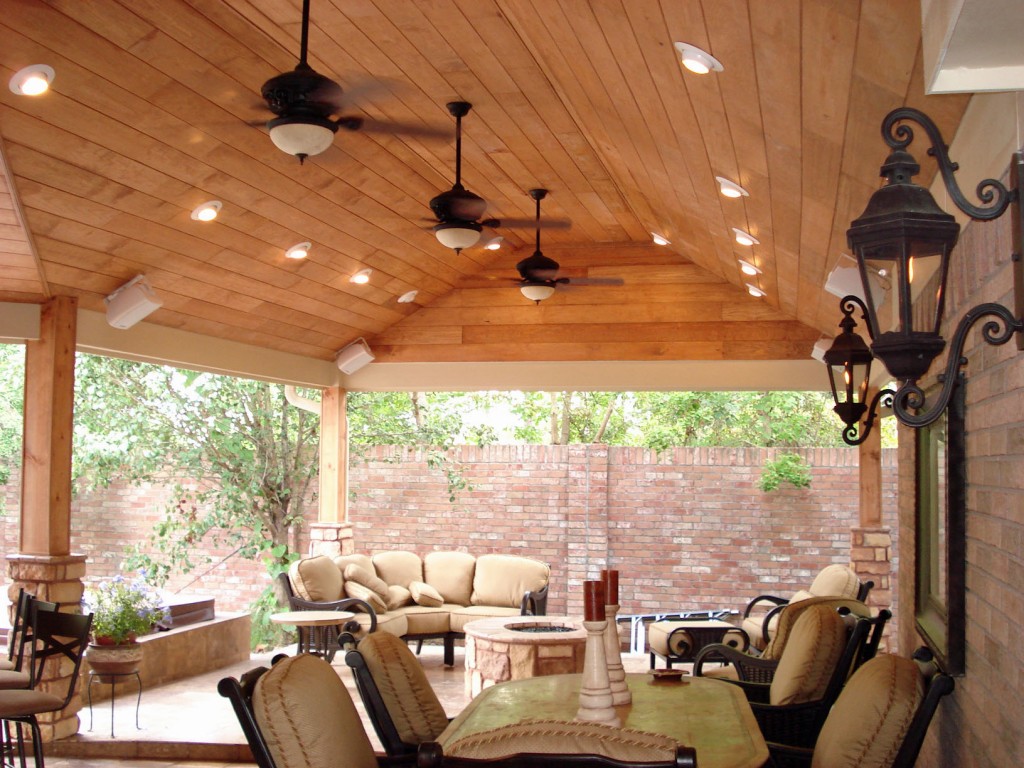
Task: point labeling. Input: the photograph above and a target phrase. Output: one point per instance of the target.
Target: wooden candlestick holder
(613, 658)
(595, 688)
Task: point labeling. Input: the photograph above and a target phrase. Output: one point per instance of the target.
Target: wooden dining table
(710, 715)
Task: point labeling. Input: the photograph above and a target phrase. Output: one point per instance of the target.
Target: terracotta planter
(121, 659)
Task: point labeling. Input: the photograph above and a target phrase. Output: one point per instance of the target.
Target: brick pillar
(871, 556)
(587, 514)
(58, 579)
(331, 539)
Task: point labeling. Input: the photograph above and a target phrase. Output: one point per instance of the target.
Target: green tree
(12, 377)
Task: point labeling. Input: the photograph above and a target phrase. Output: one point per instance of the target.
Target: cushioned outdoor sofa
(419, 598)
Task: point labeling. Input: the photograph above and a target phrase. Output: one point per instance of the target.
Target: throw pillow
(398, 596)
(371, 581)
(424, 594)
(359, 592)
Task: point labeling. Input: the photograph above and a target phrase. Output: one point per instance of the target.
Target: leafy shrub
(786, 468)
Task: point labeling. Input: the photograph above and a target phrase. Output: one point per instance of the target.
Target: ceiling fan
(458, 210)
(304, 101)
(539, 274)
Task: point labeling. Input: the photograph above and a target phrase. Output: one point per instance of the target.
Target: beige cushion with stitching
(451, 574)
(462, 615)
(812, 653)
(501, 580)
(425, 620)
(363, 561)
(307, 716)
(424, 594)
(398, 567)
(789, 615)
(563, 738)
(871, 717)
(397, 597)
(835, 581)
(403, 685)
(316, 578)
(394, 623)
(360, 575)
(360, 592)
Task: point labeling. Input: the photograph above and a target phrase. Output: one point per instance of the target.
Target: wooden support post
(871, 549)
(332, 534)
(871, 476)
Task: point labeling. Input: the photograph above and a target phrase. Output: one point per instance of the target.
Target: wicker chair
(399, 700)
(879, 720)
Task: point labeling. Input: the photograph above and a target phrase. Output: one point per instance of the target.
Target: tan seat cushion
(307, 716)
(360, 575)
(424, 620)
(316, 578)
(870, 719)
(397, 597)
(835, 581)
(398, 567)
(451, 574)
(502, 580)
(562, 738)
(460, 616)
(815, 645)
(403, 685)
(358, 591)
(424, 594)
(392, 623)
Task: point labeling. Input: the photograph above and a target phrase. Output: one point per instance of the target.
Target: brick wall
(686, 528)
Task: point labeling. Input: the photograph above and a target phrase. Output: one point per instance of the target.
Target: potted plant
(123, 610)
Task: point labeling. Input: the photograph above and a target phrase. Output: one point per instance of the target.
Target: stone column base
(331, 539)
(56, 579)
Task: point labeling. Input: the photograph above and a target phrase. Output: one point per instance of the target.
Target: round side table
(314, 628)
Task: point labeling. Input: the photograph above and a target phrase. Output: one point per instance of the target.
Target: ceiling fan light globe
(302, 137)
(537, 292)
(457, 236)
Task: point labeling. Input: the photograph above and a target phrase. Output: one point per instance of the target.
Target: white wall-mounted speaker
(353, 357)
(131, 302)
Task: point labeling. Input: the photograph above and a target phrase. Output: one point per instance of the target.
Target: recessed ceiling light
(747, 268)
(730, 188)
(408, 297)
(207, 211)
(698, 61)
(745, 238)
(754, 291)
(32, 81)
(298, 251)
(361, 277)
(660, 239)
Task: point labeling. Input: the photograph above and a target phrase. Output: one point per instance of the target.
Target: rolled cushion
(397, 597)
(871, 717)
(307, 716)
(424, 594)
(812, 653)
(502, 580)
(835, 581)
(316, 578)
(414, 707)
(451, 574)
(563, 738)
(400, 567)
(360, 575)
(358, 591)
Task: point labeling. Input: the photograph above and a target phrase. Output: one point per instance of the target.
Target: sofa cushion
(424, 594)
(360, 592)
(562, 737)
(501, 580)
(316, 578)
(399, 567)
(363, 561)
(360, 575)
(397, 597)
(426, 621)
(812, 652)
(835, 581)
(393, 623)
(307, 716)
(451, 574)
(460, 616)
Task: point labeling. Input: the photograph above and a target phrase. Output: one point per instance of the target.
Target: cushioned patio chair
(761, 614)
(399, 699)
(13, 674)
(811, 673)
(344, 631)
(559, 744)
(880, 718)
(723, 661)
(58, 637)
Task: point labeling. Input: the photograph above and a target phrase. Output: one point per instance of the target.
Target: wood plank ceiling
(155, 108)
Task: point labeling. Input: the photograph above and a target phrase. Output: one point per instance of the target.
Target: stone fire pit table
(518, 647)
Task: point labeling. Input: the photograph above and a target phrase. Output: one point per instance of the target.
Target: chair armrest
(784, 756)
(535, 603)
(345, 604)
(793, 725)
(749, 669)
(773, 599)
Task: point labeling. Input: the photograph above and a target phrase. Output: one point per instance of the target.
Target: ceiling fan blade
(531, 223)
(593, 280)
(392, 127)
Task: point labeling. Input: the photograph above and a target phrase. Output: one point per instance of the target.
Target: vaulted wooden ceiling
(155, 108)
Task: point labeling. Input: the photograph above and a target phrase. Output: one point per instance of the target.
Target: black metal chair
(12, 673)
(900, 693)
(398, 698)
(334, 641)
(60, 637)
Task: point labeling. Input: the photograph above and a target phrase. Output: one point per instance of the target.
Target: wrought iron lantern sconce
(903, 233)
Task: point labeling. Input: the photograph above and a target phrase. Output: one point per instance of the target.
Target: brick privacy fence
(686, 528)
